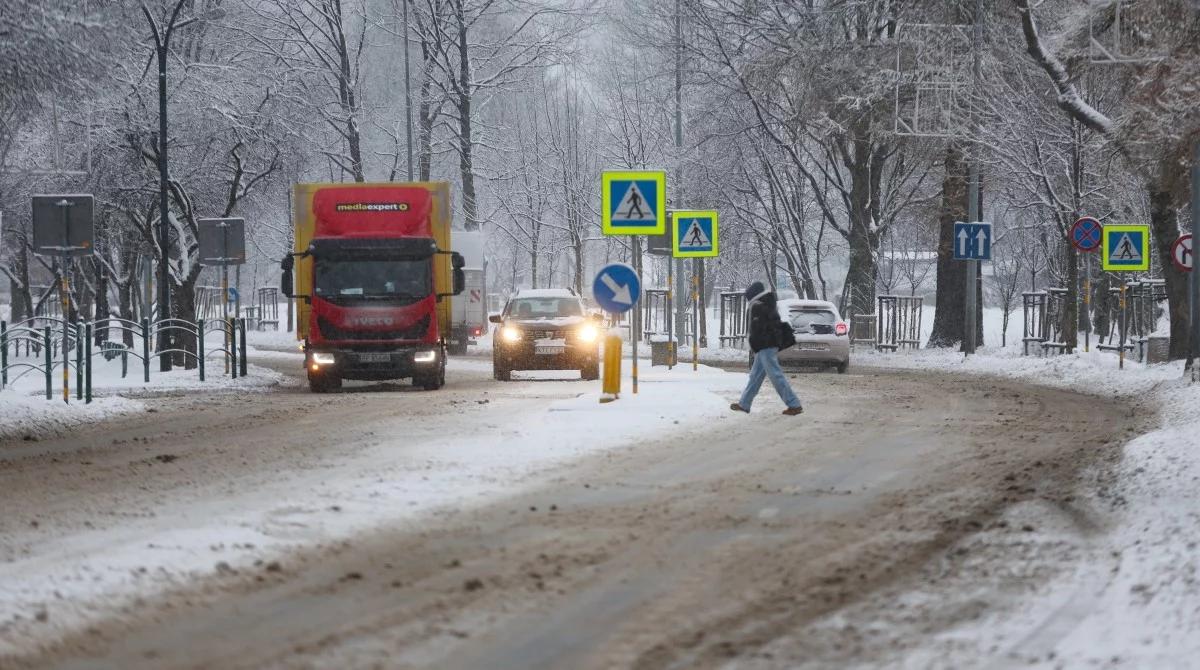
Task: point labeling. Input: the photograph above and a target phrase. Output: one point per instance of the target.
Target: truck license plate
(548, 350)
(375, 358)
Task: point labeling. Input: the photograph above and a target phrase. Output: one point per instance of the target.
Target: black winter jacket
(765, 323)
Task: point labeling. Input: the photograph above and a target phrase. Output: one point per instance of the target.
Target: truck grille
(413, 332)
(546, 334)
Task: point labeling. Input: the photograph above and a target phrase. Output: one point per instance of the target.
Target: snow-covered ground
(382, 485)
(1146, 613)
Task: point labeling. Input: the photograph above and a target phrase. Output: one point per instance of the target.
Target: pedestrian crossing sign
(693, 234)
(633, 203)
(1126, 248)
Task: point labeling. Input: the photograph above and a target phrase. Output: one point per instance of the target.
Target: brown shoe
(738, 408)
(793, 411)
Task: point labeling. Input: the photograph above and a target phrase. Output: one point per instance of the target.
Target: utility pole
(970, 319)
(407, 96)
(678, 290)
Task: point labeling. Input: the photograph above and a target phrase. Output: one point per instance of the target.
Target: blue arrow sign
(617, 288)
(972, 241)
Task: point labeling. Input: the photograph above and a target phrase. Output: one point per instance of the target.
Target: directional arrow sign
(617, 288)
(973, 241)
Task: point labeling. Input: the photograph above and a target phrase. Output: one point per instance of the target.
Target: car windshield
(544, 308)
(406, 280)
(817, 321)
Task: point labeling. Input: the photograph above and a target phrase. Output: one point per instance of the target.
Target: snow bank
(23, 415)
(1146, 613)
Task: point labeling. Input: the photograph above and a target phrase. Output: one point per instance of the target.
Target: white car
(822, 337)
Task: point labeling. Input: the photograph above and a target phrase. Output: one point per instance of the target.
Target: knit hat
(754, 290)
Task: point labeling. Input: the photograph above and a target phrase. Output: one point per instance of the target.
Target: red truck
(373, 273)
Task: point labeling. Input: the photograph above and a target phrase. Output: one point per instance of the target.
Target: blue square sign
(972, 241)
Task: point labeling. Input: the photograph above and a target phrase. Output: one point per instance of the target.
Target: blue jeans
(766, 364)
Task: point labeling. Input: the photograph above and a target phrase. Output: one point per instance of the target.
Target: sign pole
(670, 307)
(225, 286)
(695, 316)
(1087, 302)
(1194, 302)
(969, 301)
(1121, 362)
(65, 289)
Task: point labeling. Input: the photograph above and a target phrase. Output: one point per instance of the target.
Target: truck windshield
(406, 280)
(545, 308)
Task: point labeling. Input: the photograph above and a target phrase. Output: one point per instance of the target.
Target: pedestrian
(769, 334)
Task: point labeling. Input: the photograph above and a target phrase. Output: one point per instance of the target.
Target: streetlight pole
(162, 45)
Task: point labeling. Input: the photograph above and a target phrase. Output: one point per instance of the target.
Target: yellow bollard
(611, 384)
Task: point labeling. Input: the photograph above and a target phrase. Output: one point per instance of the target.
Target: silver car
(822, 338)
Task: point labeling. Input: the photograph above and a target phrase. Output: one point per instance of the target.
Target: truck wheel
(501, 373)
(590, 372)
(841, 367)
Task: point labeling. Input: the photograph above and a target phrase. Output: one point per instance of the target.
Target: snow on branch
(1069, 98)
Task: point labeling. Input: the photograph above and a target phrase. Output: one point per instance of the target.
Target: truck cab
(374, 274)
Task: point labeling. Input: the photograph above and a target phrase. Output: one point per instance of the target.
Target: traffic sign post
(222, 242)
(973, 241)
(1086, 236)
(63, 226)
(1126, 248)
(694, 234)
(633, 202)
(1181, 253)
(617, 288)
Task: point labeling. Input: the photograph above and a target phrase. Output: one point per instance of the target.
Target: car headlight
(425, 356)
(588, 333)
(323, 358)
(510, 334)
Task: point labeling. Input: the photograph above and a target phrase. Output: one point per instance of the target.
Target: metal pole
(636, 324)
(1121, 361)
(164, 288)
(670, 314)
(1087, 302)
(1195, 278)
(64, 288)
(973, 213)
(407, 96)
(695, 319)
(679, 305)
(969, 317)
(225, 281)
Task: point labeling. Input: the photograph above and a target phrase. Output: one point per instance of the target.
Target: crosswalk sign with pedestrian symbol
(693, 234)
(633, 203)
(1126, 248)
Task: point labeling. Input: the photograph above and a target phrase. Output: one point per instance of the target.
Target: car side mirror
(495, 318)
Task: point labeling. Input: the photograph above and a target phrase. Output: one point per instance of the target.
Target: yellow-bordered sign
(1126, 248)
(694, 233)
(633, 202)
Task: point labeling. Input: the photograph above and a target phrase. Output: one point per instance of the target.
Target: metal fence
(45, 344)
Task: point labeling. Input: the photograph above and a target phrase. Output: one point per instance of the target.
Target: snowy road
(353, 530)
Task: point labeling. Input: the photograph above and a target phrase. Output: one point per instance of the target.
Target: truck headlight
(425, 356)
(323, 358)
(588, 333)
(510, 334)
